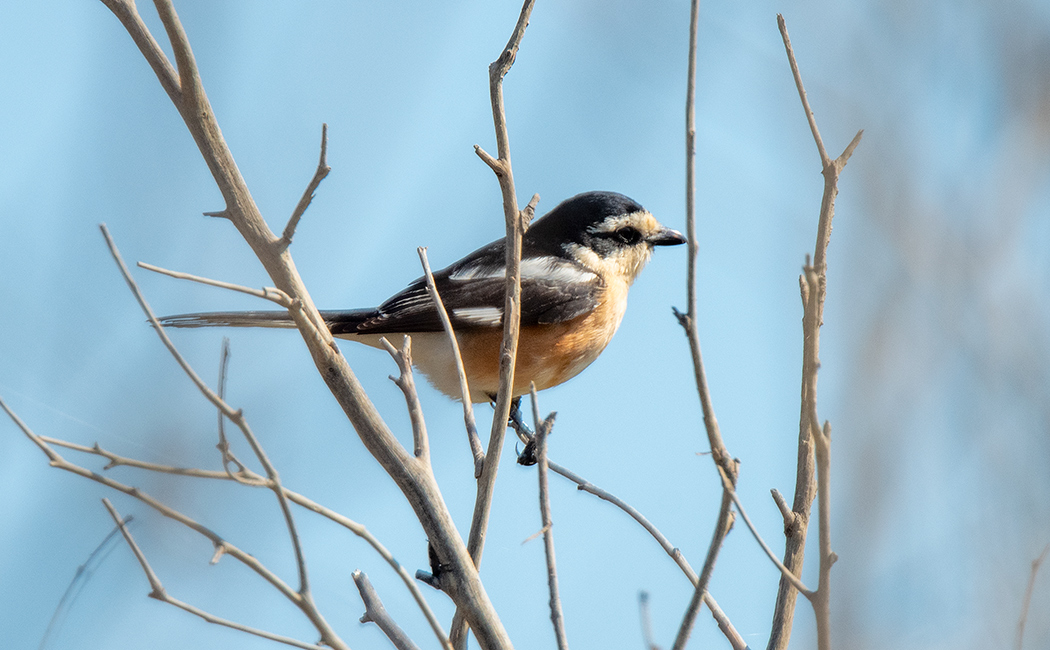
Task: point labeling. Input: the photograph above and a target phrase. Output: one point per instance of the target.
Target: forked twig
(407, 384)
(376, 613)
(813, 452)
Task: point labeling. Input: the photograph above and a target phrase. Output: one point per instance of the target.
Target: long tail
(339, 322)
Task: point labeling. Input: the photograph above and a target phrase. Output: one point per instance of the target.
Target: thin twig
(515, 226)
(266, 293)
(557, 617)
(80, 578)
(228, 456)
(725, 464)
(790, 577)
(308, 195)
(407, 384)
(158, 592)
(722, 527)
(376, 613)
(464, 387)
(647, 621)
(1036, 563)
(115, 460)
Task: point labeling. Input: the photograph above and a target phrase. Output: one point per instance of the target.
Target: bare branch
(814, 288)
(159, 593)
(1036, 563)
(115, 460)
(464, 387)
(266, 293)
(511, 305)
(376, 613)
(407, 384)
(308, 195)
(557, 617)
(825, 161)
(725, 464)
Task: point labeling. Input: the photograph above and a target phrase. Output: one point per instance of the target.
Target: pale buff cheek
(626, 264)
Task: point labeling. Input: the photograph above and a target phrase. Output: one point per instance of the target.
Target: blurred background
(934, 352)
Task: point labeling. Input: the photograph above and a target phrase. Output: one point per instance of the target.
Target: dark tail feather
(339, 322)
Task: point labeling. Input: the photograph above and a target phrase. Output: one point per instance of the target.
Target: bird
(577, 263)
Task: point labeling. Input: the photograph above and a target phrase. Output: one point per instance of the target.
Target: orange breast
(547, 354)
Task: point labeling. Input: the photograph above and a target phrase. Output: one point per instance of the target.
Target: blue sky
(932, 349)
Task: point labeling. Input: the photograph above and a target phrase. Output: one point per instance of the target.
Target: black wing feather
(543, 301)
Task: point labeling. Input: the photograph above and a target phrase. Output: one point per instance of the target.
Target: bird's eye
(627, 235)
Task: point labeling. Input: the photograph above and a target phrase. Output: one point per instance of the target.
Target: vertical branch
(557, 618)
(516, 222)
(813, 450)
(719, 454)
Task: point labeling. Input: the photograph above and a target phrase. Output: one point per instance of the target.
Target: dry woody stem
(813, 442)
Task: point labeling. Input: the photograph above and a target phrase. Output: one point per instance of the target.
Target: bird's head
(608, 233)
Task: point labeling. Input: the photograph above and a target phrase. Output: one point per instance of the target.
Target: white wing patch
(547, 268)
(488, 316)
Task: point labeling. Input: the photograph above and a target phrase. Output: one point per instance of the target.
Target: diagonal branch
(724, 463)
(221, 545)
(158, 592)
(308, 195)
(464, 387)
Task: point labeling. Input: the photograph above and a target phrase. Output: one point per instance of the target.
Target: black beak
(666, 237)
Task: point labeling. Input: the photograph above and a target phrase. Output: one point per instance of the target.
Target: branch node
(494, 164)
